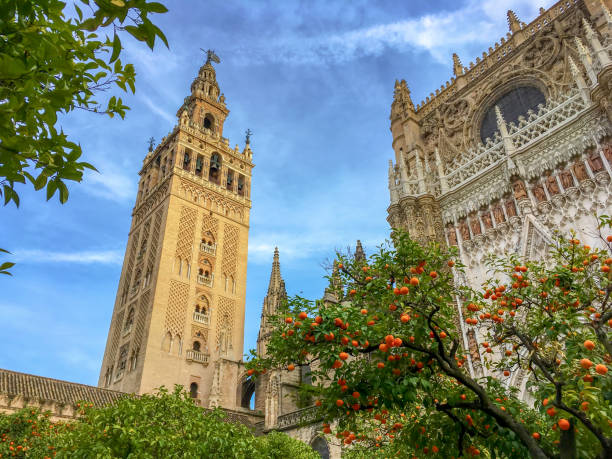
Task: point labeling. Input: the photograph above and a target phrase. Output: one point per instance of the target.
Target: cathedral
(514, 147)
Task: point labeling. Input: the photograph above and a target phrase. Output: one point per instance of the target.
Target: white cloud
(156, 109)
(109, 257)
(441, 34)
(110, 183)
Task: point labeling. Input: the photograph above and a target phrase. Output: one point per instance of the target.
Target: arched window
(247, 393)
(187, 159)
(230, 180)
(199, 165)
(193, 390)
(320, 446)
(512, 104)
(196, 346)
(209, 122)
(241, 185)
(167, 342)
(214, 172)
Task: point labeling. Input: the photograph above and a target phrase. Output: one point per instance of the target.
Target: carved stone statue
(520, 192)
(486, 219)
(475, 224)
(498, 213)
(552, 185)
(510, 208)
(607, 151)
(580, 171)
(595, 162)
(539, 193)
(566, 179)
(465, 232)
(452, 235)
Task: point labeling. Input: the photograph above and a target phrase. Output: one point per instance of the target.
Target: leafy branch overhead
(53, 61)
(395, 372)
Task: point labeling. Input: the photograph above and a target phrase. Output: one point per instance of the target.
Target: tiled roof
(31, 386)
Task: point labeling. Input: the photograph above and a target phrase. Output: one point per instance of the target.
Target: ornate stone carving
(538, 192)
(520, 192)
(551, 184)
(595, 162)
(580, 171)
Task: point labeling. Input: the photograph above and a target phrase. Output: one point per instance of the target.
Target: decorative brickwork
(177, 307)
(130, 265)
(225, 323)
(117, 326)
(199, 333)
(184, 244)
(143, 310)
(230, 249)
(210, 227)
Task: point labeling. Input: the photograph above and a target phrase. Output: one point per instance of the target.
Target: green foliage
(277, 445)
(166, 424)
(51, 63)
(389, 368)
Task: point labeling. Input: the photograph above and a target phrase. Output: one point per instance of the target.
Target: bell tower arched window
(209, 122)
(214, 172)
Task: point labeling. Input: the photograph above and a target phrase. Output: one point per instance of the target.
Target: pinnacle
(359, 252)
(457, 66)
(513, 21)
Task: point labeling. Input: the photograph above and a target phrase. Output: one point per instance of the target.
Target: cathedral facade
(514, 148)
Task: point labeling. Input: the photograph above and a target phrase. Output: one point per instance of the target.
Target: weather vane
(248, 133)
(211, 56)
(151, 143)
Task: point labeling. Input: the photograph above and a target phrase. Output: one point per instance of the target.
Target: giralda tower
(179, 311)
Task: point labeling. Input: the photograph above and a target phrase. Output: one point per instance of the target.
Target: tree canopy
(391, 374)
(166, 424)
(53, 61)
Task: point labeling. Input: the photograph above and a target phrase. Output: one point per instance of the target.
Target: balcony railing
(305, 415)
(212, 249)
(206, 280)
(197, 356)
(201, 318)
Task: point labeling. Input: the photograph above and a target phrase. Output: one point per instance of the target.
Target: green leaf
(155, 7)
(116, 48)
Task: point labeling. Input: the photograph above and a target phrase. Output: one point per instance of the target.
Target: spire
(457, 66)
(513, 22)
(359, 253)
(276, 281)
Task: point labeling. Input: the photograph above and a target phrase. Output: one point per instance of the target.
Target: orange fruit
(590, 345)
(450, 263)
(414, 281)
(586, 363)
(564, 424)
(288, 320)
(291, 367)
(601, 369)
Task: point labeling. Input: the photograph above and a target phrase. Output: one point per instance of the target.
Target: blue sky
(314, 82)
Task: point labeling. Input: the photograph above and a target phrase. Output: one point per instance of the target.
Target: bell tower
(179, 311)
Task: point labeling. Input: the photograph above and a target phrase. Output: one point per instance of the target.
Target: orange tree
(163, 425)
(388, 366)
